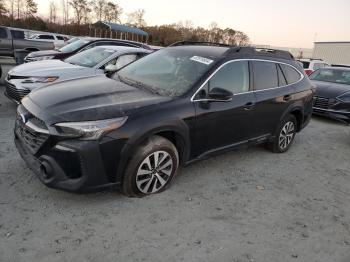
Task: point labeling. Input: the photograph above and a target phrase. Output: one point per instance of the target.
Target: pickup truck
(12, 39)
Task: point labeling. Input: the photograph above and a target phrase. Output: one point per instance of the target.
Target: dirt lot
(248, 205)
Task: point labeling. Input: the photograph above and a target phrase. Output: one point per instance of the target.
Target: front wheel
(284, 135)
(152, 168)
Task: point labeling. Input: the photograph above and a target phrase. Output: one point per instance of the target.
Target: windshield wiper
(138, 84)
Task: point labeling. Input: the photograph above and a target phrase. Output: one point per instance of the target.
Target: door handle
(287, 98)
(249, 106)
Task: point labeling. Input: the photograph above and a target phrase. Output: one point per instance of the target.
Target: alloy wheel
(286, 135)
(154, 172)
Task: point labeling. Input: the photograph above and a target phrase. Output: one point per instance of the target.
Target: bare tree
(3, 8)
(79, 9)
(137, 18)
(113, 12)
(31, 8)
(99, 8)
(52, 12)
(65, 11)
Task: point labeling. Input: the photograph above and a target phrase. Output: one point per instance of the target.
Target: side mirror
(218, 93)
(111, 68)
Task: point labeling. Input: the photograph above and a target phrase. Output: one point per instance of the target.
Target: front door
(222, 124)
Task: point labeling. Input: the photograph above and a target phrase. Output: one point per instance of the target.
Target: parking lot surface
(247, 205)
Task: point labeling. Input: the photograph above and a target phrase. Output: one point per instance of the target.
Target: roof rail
(262, 51)
(181, 43)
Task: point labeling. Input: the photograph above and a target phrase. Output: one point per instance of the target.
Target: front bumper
(341, 115)
(70, 165)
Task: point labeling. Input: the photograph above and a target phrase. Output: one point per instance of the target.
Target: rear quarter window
(265, 75)
(292, 75)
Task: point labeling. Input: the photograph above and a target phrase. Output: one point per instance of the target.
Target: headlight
(39, 58)
(344, 98)
(89, 130)
(48, 79)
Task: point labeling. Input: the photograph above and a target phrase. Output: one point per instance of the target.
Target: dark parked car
(82, 44)
(175, 106)
(332, 97)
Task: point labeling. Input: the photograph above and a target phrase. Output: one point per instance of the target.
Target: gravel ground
(243, 206)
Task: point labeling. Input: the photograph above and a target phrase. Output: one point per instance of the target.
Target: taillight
(308, 71)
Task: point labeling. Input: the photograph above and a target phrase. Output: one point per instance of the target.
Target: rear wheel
(284, 135)
(152, 168)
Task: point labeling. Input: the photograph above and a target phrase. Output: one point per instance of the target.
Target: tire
(284, 135)
(142, 176)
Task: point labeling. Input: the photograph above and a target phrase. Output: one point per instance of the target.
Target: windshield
(168, 71)
(73, 46)
(91, 57)
(332, 75)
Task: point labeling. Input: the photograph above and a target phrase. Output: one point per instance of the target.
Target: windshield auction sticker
(202, 60)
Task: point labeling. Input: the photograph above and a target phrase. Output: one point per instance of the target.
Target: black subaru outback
(175, 106)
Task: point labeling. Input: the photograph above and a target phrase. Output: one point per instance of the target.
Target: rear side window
(290, 73)
(233, 77)
(265, 75)
(17, 34)
(48, 37)
(305, 64)
(3, 33)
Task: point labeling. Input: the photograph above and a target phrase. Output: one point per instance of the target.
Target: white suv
(58, 40)
(311, 65)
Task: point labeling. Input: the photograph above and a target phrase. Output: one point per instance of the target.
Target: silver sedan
(24, 78)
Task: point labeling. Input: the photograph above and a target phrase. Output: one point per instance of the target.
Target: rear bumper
(335, 114)
(70, 165)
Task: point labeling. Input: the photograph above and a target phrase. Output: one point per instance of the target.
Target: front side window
(169, 72)
(120, 62)
(233, 77)
(265, 75)
(91, 57)
(60, 37)
(290, 73)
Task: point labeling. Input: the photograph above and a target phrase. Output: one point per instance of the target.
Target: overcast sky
(287, 23)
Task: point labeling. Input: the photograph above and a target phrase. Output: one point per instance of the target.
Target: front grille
(9, 77)
(33, 139)
(14, 93)
(38, 122)
(323, 102)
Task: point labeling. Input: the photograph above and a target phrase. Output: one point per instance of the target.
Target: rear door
(5, 42)
(273, 95)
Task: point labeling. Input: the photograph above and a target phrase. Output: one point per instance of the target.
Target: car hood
(64, 71)
(90, 98)
(44, 53)
(330, 90)
(45, 68)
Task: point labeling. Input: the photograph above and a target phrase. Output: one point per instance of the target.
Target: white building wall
(333, 52)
